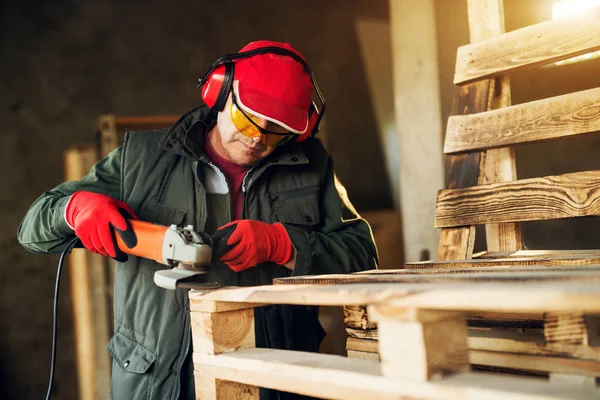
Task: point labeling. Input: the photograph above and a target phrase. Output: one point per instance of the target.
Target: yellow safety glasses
(247, 125)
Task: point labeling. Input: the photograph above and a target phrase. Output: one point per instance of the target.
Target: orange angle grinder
(186, 251)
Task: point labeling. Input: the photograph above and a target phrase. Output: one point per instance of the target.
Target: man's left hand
(246, 243)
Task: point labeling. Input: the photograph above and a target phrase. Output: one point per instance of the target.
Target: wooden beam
(528, 47)
(535, 363)
(486, 20)
(472, 296)
(474, 266)
(550, 197)
(509, 341)
(537, 121)
(463, 171)
(530, 342)
(144, 122)
(336, 377)
(540, 254)
(91, 313)
(505, 264)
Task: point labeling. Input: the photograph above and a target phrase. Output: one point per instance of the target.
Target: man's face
(232, 145)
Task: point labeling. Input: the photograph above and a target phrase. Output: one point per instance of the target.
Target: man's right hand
(95, 217)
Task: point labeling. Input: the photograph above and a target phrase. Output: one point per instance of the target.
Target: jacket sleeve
(344, 244)
(44, 228)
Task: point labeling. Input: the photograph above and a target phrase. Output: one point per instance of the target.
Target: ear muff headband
(217, 82)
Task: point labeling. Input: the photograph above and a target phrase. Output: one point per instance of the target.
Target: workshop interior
(402, 82)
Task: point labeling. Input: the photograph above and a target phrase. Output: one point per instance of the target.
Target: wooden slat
(551, 197)
(537, 264)
(529, 342)
(335, 377)
(91, 312)
(502, 341)
(486, 20)
(466, 271)
(537, 121)
(447, 268)
(145, 122)
(539, 254)
(528, 47)
(463, 171)
(472, 296)
(535, 363)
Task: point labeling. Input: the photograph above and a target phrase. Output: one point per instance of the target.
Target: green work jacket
(165, 176)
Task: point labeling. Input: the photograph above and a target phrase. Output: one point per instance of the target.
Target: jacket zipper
(188, 326)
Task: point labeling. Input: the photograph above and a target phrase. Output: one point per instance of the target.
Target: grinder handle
(150, 239)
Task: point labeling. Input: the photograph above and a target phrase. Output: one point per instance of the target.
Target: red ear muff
(313, 124)
(216, 86)
(212, 86)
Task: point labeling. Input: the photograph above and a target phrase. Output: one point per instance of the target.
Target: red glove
(95, 218)
(246, 243)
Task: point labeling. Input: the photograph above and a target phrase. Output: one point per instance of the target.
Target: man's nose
(258, 139)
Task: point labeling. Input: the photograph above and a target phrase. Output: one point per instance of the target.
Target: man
(245, 168)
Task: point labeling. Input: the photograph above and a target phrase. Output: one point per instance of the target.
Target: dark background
(63, 63)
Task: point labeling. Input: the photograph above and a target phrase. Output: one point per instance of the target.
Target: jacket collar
(186, 137)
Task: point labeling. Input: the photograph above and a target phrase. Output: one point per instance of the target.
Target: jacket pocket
(298, 206)
(131, 368)
(159, 214)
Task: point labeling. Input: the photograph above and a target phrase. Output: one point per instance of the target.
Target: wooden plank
(463, 171)
(540, 254)
(107, 131)
(479, 266)
(91, 313)
(572, 379)
(362, 345)
(537, 121)
(501, 264)
(529, 342)
(550, 197)
(472, 296)
(144, 122)
(335, 377)
(528, 47)
(363, 355)
(535, 363)
(486, 20)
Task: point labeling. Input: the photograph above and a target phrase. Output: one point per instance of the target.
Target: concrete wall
(63, 63)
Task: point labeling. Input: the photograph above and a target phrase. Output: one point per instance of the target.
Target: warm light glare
(571, 7)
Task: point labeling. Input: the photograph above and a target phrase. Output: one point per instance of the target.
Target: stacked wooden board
(423, 338)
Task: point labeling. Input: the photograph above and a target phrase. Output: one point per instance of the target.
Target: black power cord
(70, 245)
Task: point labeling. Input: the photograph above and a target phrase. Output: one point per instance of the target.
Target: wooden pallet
(431, 361)
(535, 342)
(482, 189)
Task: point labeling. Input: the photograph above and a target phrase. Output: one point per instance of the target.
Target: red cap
(274, 86)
